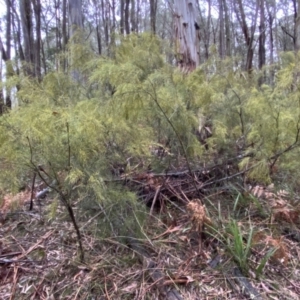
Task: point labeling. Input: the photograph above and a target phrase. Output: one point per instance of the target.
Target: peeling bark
(187, 33)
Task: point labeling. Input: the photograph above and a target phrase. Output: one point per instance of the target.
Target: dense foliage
(124, 109)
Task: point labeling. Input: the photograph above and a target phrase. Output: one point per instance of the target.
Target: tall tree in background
(6, 55)
(262, 35)
(205, 24)
(227, 29)
(76, 32)
(271, 17)
(97, 15)
(248, 31)
(222, 29)
(28, 38)
(8, 30)
(187, 34)
(35, 32)
(126, 16)
(153, 10)
(297, 25)
(262, 40)
(37, 44)
(64, 31)
(75, 16)
(133, 15)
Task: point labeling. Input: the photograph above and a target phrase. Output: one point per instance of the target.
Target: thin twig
(32, 190)
(155, 99)
(69, 148)
(63, 198)
(158, 189)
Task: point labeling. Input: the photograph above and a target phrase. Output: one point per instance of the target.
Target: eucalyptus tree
(248, 25)
(26, 15)
(76, 32)
(286, 40)
(271, 18)
(187, 34)
(38, 37)
(205, 23)
(221, 29)
(6, 57)
(153, 12)
(75, 15)
(297, 25)
(262, 35)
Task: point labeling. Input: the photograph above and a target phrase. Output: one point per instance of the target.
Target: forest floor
(238, 246)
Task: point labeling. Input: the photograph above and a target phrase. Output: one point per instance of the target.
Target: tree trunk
(138, 8)
(105, 25)
(133, 16)
(187, 34)
(248, 32)
(221, 31)
(44, 57)
(262, 37)
(17, 37)
(297, 27)
(122, 17)
(37, 50)
(2, 103)
(271, 17)
(64, 24)
(97, 25)
(153, 10)
(57, 24)
(28, 40)
(227, 29)
(75, 23)
(8, 28)
(112, 28)
(7, 59)
(206, 28)
(75, 16)
(126, 16)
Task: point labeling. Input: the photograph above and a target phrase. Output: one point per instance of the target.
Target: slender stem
(177, 135)
(32, 191)
(39, 170)
(69, 147)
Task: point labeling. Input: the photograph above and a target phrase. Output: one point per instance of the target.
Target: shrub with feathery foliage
(126, 104)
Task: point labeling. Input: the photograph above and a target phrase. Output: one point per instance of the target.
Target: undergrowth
(135, 114)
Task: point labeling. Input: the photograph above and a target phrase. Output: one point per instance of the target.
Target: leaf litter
(183, 256)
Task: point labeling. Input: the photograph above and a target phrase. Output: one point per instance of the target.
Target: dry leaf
(130, 288)
(280, 255)
(198, 216)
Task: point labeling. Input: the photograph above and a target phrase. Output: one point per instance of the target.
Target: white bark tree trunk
(187, 34)
(75, 15)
